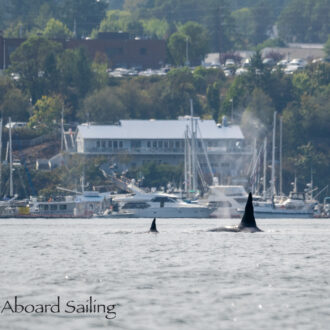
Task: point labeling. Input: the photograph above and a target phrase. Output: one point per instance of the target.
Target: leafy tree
(244, 22)
(263, 21)
(103, 106)
(119, 21)
(213, 99)
(191, 35)
(305, 21)
(158, 175)
(156, 28)
(75, 77)
(81, 16)
(29, 62)
(177, 48)
(56, 30)
(47, 112)
(12, 102)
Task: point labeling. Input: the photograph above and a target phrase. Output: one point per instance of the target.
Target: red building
(120, 49)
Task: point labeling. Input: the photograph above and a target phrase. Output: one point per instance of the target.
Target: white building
(136, 142)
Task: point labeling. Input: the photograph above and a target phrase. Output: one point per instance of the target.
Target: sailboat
(293, 206)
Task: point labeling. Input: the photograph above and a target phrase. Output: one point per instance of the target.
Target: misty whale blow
(248, 222)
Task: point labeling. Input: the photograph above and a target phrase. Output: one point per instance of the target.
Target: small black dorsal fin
(153, 227)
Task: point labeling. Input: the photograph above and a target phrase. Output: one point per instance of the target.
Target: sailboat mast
(193, 148)
(281, 139)
(0, 155)
(273, 189)
(265, 169)
(11, 188)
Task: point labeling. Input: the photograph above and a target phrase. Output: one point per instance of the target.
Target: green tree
(305, 21)
(191, 38)
(213, 99)
(29, 62)
(75, 77)
(82, 16)
(103, 106)
(156, 28)
(47, 112)
(119, 21)
(12, 102)
(56, 30)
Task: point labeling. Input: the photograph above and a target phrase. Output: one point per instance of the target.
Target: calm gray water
(181, 278)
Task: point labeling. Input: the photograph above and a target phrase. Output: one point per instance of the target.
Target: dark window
(98, 144)
(110, 144)
(53, 207)
(63, 207)
(165, 144)
(132, 205)
(160, 144)
(103, 144)
(148, 144)
(115, 144)
(154, 144)
(136, 144)
(120, 144)
(177, 144)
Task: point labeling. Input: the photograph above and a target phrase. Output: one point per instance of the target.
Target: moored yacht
(160, 205)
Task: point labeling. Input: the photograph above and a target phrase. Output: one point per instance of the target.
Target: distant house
(121, 49)
(137, 142)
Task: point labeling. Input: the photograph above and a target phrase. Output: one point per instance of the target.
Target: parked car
(16, 124)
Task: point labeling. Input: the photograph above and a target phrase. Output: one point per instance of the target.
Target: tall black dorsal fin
(153, 227)
(248, 219)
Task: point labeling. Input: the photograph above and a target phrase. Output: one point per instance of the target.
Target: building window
(149, 144)
(166, 144)
(98, 144)
(171, 144)
(160, 144)
(103, 144)
(177, 144)
(154, 144)
(143, 51)
(115, 144)
(110, 144)
(136, 144)
(120, 144)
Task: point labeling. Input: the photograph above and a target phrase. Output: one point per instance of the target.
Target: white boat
(83, 205)
(294, 206)
(225, 200)
(160, 205)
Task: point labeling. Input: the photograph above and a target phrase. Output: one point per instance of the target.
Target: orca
(153, 228)
(248, 222)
